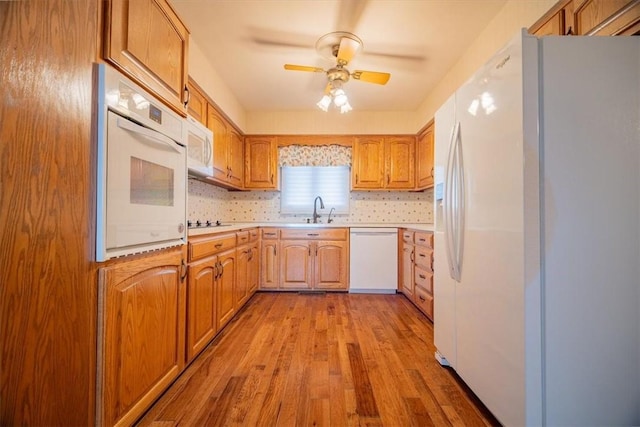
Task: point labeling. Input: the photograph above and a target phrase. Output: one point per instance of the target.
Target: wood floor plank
(332, 359)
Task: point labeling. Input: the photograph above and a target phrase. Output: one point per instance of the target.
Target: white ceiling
(249, 41)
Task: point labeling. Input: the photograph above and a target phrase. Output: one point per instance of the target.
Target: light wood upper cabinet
(228, 151)
(197, 106)
(590, 17)
(147, 41)
(141, 333)
(367, 171)
(424, 158)
(261, 162)
(400, 162)
(236, 159)
(383, 163)
(557, 22)
(607, 17)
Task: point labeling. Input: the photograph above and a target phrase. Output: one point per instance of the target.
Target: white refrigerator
(537, 232)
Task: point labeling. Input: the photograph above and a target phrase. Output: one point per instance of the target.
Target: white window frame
(300, 185)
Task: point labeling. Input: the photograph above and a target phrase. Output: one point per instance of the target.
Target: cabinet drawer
(202, 246)
(424, 238)
(314, 233)
(243, 237)
(424, 301)
(424, 279)
(407, 236)
(424, 257)
(270, 233)
(253, 235)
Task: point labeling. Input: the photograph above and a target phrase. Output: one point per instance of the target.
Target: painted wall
(206, 76)
(207, 202)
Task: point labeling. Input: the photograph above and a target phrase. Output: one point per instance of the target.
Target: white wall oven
(141, 170)
(199, 149)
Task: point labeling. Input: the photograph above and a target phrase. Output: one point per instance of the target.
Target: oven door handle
(151, 135)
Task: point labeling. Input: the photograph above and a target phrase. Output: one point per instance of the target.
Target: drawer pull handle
(312, 234)
(422, 298)
(422, 240)
(269, 234)
(422, 276)
(218, 245)
(423, 256)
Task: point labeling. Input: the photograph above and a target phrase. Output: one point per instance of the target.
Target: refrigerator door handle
(448, 205)
(458, 226)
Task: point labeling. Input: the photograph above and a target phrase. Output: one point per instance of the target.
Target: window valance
(308, 155)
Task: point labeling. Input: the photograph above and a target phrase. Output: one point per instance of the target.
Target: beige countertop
(225, 227)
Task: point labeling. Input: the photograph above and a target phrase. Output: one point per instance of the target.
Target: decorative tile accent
(210, 202)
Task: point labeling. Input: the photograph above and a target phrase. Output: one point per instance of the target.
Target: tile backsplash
(210, 202)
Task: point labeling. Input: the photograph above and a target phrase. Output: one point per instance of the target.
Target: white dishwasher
(373, 260)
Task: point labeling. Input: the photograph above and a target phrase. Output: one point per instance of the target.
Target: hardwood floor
(334, 359)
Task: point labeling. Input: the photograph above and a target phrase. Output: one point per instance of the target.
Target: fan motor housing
(338, 73)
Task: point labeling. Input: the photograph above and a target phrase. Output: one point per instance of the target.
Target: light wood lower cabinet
(201, 307)
(305, 258)
(226, 287)
(406, 262)
(141, 333)
(296, 264)
(416, 274)
(269, 260)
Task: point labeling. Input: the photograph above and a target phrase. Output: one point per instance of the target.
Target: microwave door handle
(208, 152)
(152, 135)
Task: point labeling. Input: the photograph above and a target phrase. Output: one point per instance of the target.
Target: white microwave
(199, 149)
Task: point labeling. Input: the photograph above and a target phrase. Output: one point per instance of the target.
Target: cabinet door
(141, 333)
(201, 305)
(400, 157)
(606, 17)
(146, 40)
(331, 265)
(236, 159)
(226, 287)
(197, 107)
(218, 126)
(424, 159)
(269, 265)
(261, 162)
(407, 270)
(295, 266)
(242, 277)
(254, 268)
(368, 163)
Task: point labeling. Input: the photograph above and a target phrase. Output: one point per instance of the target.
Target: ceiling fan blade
(348, 49)
(303, 68)
(371, 77)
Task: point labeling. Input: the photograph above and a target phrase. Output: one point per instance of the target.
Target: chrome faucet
(329, 220)
(316, 215)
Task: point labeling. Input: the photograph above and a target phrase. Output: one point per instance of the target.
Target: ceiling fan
(340, 46)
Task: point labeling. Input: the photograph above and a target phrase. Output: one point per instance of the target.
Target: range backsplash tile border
(206, 201)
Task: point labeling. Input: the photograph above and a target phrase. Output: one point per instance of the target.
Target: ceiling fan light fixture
(340, 98)
(345, 108)
(324, 103)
